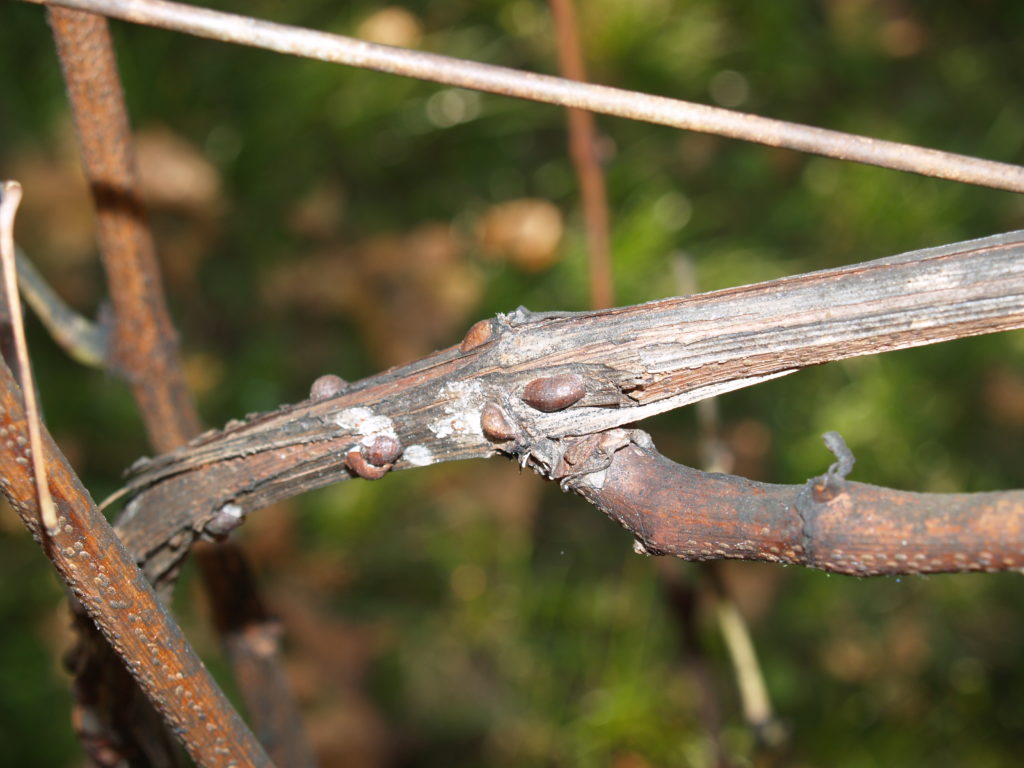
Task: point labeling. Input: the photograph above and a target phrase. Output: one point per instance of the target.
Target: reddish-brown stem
(105, 579)
(145, 348)
(144, 345)
(828, 523)
(583, 150)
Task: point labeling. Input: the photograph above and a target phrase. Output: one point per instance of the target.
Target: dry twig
(83, 340)
(144, 347)
(534, 386)
(245, 30)
(10, 197)
(826, 523)
(110, 588)
(717, 457)
(144, 351)
(584, 153)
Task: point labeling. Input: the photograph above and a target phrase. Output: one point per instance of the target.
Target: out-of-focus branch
(112, 591)
(754, 696)
(583, 150)
(827, 523)
(244, 30)
(85, 342)
(682, 596)
(525, 384)
(252, 640)
(145, 349)
(144, 346)
(717, 457)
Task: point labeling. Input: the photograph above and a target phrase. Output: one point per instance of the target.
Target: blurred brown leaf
(903, 36)
(525, 232)
(318, 215)
(175, 174)
(750, 442)
(409, 294)
(327, 666)
(752, 586)
(56, 220)
(907, 642)
(183, 193)
(1003, 397)
(270, 536)
(391, 25)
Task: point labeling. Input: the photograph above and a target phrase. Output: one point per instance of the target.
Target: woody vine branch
(537, 386)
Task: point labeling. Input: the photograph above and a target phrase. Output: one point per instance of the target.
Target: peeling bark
(624, 364)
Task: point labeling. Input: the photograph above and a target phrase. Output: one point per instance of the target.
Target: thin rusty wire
(338, 49)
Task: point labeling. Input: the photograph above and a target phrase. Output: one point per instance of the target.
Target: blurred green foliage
(465, 615)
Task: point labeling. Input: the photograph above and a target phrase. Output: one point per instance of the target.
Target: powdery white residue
(231, 510)
(443, 428)
(463, 411)
(418, 455)
(364, 422)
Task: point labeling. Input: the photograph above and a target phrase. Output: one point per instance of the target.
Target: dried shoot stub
(554, 393)
(225, 520)
(326, 387)
(495, 425)
(373, 461)
(478, 333)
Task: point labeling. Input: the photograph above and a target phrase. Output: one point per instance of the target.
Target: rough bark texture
(144, 351)
(827, 523)
(107, 583)
(145, 347)
(633, 362)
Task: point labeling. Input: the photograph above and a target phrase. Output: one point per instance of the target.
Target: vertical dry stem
(144, 348)
(583, 150)
(144, 344)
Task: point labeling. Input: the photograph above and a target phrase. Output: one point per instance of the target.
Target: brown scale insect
(478, 333)
(373, 461)
(326, 387)
(554, 393)
(495, 425)
(383, 450)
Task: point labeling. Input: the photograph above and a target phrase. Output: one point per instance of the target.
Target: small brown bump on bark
(225, 520)
(384, 450)
(326, 387)
(554, 393)
(478, 333)
(355, 461)
(495, 425)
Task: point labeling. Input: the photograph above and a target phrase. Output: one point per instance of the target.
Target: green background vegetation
(467, 614)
